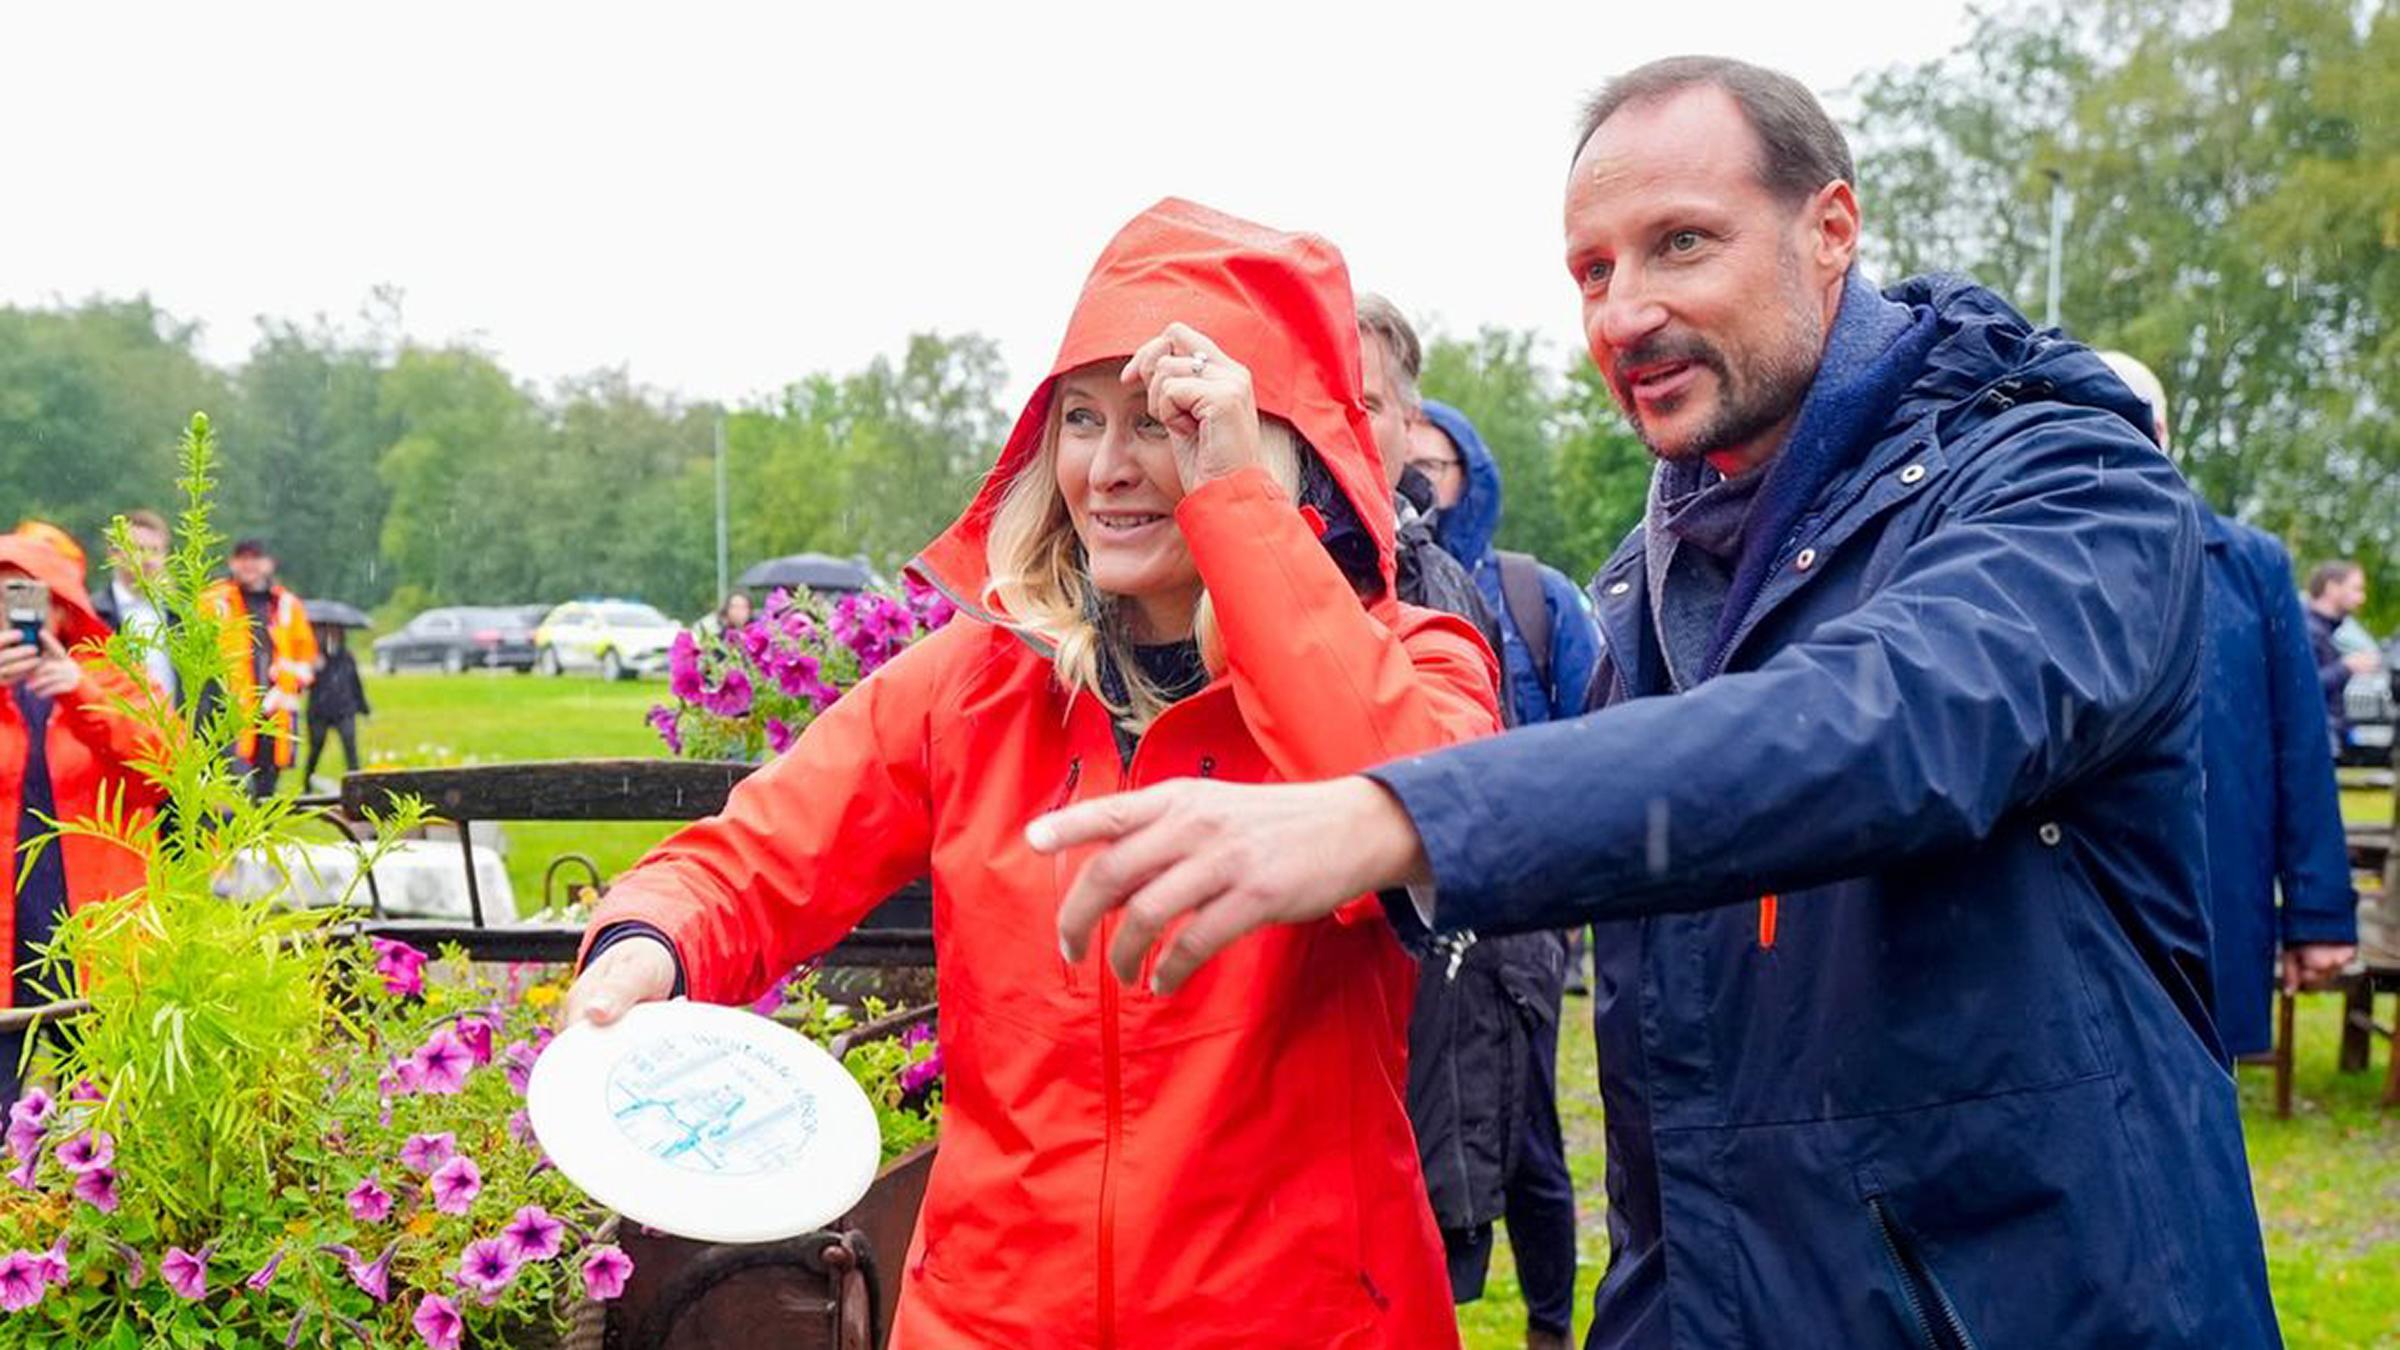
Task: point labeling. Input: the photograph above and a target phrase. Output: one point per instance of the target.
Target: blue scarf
(1875, 352)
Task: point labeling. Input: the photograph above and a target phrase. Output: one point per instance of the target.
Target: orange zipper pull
(1766, 922)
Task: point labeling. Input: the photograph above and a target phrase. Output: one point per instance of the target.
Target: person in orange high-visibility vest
(271, 658)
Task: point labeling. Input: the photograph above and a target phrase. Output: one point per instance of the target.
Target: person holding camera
(67, 744)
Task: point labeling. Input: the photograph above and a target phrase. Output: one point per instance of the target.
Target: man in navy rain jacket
(1891, 825)
(2274, 812)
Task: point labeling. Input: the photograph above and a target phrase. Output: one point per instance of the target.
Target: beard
(1762, 391)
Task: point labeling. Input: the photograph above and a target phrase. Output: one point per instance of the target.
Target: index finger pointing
(1095, 821)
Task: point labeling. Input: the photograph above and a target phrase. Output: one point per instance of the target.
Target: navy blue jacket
(1466, 531)
(2274, 814)
(1965, 1089)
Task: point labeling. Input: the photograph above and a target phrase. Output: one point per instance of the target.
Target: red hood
(1278, 303)
(78, 622)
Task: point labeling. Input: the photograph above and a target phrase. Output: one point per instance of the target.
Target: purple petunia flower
(87, 1152)
(442, 1063)
(374, 1278)
(663, 721)
(605, 1269)
(683, 668)
(520, 1056)
(186, 1272)
(520, 1127)
(22, 1173)
(779, 736)
(423, 1153)
(370, 1202)
(31, 1109)
(438, 1323)
(98, 1188)
(455, 1185)
(731, 697)
(401, 966)
(264, 1275)
(85, 1090)
(54, 1261)
(25, 1141)
(135, 1270)
(533, 1235)
(21, 1282)
(487, 1266)
(475, 1033)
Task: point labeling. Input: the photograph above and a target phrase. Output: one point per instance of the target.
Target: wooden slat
(584, 789)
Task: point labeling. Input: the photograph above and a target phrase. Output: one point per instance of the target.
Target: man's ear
(1832, 217)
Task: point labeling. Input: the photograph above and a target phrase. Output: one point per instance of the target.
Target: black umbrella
(816, 571)
(336, 614)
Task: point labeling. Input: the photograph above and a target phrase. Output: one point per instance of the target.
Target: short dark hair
(250, 548)
(2327, 575)
(1381, 319)
(1800, 149)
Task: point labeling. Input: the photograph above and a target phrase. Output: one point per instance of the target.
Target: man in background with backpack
(1483, 1032)
(1549, 649)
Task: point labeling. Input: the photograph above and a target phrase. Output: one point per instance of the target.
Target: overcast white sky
(726, 197)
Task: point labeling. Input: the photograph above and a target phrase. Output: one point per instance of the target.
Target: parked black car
(458, 637)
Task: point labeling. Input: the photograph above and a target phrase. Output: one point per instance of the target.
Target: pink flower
(21, 1281)
(98, 1188)
(438, 1323)
(31, 1109)
(22, 1173)
(135, 1270)
(520, 1127)
(369, 1202)
(532, 1235)
(442, 1063)
(54, 1261)
(663, 721)
(25, 1140)
(425, 1152)
(520, 1057)
(779, 736)
(732, 696)
(683, 668)
(85, 1090)
(87, 1152)
(605, 1269)
(374, 1278)
(475, 1033)
(264, 1275)
(455, 1186)
(401, 966)
(487, 1266)
(186, 1272)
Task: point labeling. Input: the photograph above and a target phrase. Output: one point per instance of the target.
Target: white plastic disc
(707, 1122)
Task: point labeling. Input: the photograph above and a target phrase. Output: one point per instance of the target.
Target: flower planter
(830, 1290)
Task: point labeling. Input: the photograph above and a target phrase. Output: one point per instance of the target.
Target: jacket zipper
(1767, 906)
(1936, 1317)
(1113, 1131)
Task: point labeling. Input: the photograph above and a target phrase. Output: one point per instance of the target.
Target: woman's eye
(1149, 428)
(1082, 419)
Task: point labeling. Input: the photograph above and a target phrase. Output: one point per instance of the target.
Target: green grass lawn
(2328, 1180)
(489, 716)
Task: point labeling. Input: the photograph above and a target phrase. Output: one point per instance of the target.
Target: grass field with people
(2328, 1180)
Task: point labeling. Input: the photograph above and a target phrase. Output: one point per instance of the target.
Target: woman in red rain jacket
(1181, 565)
(68, 752)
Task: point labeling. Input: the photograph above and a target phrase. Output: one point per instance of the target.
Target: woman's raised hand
(1202, 397)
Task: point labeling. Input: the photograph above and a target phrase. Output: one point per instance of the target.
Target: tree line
(2231, 170)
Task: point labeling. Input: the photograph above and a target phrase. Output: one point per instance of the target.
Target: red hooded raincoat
(1229, 1165)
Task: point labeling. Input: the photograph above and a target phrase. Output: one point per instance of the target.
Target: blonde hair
(1038, 585)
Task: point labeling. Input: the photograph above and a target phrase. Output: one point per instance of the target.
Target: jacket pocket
(1937, 1321)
